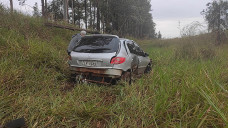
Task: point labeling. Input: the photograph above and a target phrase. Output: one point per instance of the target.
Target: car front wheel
(148, 68)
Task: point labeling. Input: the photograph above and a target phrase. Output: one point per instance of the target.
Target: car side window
(131, 47)
(135, 49)
(138, 50)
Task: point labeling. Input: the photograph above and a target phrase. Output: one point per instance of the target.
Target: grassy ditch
(188, 86)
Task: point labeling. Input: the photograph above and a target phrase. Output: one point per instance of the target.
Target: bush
(207, 53)
(194, 52)
(186, 51)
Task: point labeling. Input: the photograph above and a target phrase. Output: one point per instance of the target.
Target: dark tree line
(121, 17)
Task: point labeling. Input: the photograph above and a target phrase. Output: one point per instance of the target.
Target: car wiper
(83, 50)
(93, 50)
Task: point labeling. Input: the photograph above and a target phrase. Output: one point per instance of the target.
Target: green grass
(188, 86)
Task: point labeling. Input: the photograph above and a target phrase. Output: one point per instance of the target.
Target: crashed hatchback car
(106, 59)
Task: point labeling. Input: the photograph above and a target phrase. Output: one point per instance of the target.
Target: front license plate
(89, 63)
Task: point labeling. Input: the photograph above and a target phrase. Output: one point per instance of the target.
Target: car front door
(143, 60)
(133, 55)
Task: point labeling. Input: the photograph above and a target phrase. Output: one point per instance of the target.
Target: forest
(120, 17)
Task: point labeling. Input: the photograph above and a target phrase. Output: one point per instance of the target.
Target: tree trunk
(11, 5)
(94, 16)
(90, 13)
(42, 4)
(103, 25)
(73, 12)
(106, 18)
(219, 33)
(67, 11)
(98, 16)
(45, 10)
(85, 14)
(79, 22)
(65, 7)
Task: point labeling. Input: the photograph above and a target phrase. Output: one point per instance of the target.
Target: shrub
(207, 53)
(186, 51)
(194, 51)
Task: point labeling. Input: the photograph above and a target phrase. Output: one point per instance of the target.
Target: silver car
(106, 59)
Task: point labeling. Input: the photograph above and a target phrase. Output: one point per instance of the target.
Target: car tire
(72, 78)
(127, 77)
(148, 69)
(79, 79)
(130, 77)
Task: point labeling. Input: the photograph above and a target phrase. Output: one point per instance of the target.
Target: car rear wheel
(127, 77)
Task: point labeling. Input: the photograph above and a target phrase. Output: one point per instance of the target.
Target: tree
(71, 5)
(192, 29)
(21, 2)
(44, 8)
(85, 5)
(216, 14)
(11, 5)
(121, 17)
(159, 35)
(36, 10)
(131, 17)
(90, 14)
(98, 15)
(65, 8)
(56, 7)
(42, 4)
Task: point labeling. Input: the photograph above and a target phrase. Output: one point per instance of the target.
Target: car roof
(124, 39)
(102, 35)
(108, 35)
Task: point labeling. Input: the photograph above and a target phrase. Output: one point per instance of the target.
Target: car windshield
(98, 44)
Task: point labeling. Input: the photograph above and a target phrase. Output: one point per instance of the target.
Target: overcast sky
(167, 14)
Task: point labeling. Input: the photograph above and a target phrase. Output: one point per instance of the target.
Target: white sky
(167, 14)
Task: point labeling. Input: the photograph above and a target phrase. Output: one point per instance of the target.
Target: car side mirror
(146, 54)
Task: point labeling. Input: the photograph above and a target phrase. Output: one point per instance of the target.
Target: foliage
(216, 15)
(21, 2)
(159, 35)
(36, 12)
(56, 8)
(121, 17)
(193, 29)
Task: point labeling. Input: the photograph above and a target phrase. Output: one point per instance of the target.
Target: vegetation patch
(187, 88)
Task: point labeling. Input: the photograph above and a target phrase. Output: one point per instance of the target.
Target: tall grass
(187, 88)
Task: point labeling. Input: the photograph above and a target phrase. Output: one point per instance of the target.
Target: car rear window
(98, 44)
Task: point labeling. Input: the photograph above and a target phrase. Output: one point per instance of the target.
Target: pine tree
(36, 10)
